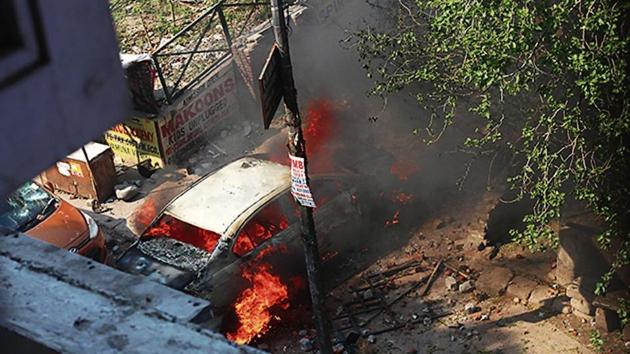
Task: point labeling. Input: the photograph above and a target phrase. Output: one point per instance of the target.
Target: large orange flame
(253, 305)
(320, 131)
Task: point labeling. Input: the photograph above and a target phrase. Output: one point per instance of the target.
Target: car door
(268, 236)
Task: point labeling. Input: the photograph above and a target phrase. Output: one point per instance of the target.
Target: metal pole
(297, 148)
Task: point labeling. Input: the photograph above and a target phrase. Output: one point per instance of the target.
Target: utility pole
(297, 148)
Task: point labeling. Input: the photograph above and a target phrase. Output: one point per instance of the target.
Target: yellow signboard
(135, 140)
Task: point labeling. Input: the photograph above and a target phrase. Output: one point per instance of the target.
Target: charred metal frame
(174, 82)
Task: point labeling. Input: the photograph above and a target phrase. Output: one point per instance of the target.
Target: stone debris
(521, 287)
(495, 280)
(306, 344)
(542, 295)
(338, 348)
(450, 283)
(606, 320)
(466, 286)
(371, 339)
(583, 306)
(126, 191)
(471, 308)
(575, 291)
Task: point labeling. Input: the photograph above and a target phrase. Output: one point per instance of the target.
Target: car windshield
(26, 207)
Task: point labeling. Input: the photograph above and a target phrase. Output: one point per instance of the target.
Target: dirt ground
(439, 322)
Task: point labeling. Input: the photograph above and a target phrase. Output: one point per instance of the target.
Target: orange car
(34, 211)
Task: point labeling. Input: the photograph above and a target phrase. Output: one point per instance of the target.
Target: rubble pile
(441, 292)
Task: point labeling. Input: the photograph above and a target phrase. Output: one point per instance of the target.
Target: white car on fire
(203, 238)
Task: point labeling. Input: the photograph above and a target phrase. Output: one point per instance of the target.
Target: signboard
(270, 83)
(299, 186)
(135, 140)
(75, 169)
(196, 113)
(63, 168)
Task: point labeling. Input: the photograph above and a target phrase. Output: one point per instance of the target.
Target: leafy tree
(546, 79)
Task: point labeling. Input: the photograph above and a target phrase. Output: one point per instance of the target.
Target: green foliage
(142, 24)
(624, 312)
(545, 81)
(597, 341)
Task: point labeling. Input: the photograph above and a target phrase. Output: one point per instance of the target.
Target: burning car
(205, 238)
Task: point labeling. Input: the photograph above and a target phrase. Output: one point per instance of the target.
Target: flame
(319, 131)
(401, 197)
(257, 232)
(403, 169)
(181, 231)
(252, 307)
(394, 220)
(319, 124)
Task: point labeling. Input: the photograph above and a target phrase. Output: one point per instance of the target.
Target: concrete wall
(62, 86)
(50, 298)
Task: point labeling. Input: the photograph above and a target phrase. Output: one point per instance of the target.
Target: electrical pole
(297, 148)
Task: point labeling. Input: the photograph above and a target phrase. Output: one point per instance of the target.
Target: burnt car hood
(64, 228)
(136, 262)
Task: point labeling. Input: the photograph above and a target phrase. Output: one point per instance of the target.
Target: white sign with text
(299, 186)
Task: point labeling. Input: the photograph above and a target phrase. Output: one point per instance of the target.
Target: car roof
(218, 200)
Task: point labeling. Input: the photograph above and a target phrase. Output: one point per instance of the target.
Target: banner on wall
(198, 112)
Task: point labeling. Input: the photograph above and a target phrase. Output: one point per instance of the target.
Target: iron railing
(198, 48)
